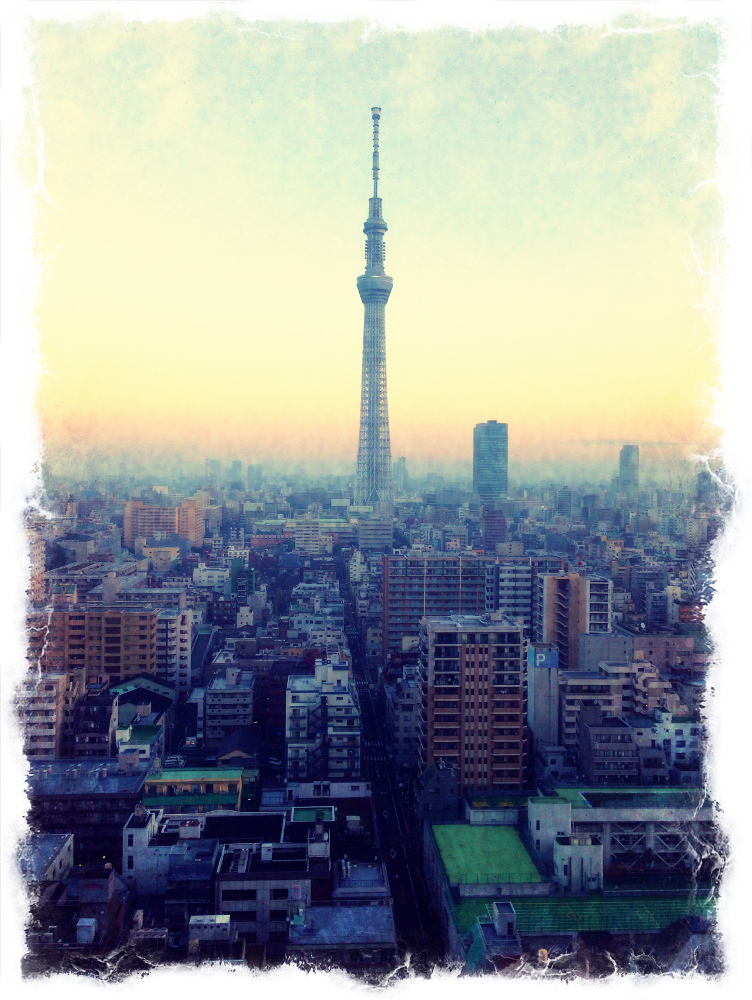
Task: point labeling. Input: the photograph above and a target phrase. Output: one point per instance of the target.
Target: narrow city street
(417, 931)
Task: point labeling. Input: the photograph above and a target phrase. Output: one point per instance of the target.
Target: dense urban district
(371, 722)
(266, 724)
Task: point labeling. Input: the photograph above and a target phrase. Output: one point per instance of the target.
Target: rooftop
(635, 798)
(484, 854)
(594, 912)
(344, 926)
(305, 814)
(504, 800)
(84, 777)
(198, 774)
(39, 851)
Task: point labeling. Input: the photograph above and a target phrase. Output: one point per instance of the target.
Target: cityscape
(384, 713)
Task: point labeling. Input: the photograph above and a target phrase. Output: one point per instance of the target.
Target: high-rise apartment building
(569, 605)
(108, 645)
(142, 520)
(174, 626)
(490, 455)
(509, 588)
(629, 469)
(429, 584)
(48, 708)
(373, 483)
(474, 699)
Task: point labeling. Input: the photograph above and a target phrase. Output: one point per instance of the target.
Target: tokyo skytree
(373, 484)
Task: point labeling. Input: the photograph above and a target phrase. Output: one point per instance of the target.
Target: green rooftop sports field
(484, 854)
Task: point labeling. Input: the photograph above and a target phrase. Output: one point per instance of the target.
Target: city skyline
(175, 237)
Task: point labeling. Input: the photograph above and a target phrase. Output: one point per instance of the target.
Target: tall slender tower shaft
(373, 484)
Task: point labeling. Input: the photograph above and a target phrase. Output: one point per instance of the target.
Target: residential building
(91, 799)
(173, 663)
(403, 718)
(620, 689)
(375, 534)
(48, 708)
(194, 790)
(146, 520)
(228, 703)
(473, 695)
(569, 605)
(106, 644)
(509, 588)
(46, 857)
(429, 584)
(37, 552)
(323, 724)
(607, 753)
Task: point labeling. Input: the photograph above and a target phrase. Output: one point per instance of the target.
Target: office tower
(213, 470)
(235, 474)
(490, 447)
(570, 605)
(399, 470)
(255, 475)
(375, 534)
(564, 502)
(429, 584)
(629, 469)
(474, 699)
(373, 483)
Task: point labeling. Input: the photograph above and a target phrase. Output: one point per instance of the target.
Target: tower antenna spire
(376, 115)
(374, 484)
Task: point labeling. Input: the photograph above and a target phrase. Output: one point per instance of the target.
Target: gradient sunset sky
(205, 185)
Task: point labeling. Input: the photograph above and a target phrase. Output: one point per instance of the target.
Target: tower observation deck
(373, 484)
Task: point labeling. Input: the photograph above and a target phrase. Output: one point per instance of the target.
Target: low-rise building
(189, 790)
(46, 857)
(91, 799)
(323, 727)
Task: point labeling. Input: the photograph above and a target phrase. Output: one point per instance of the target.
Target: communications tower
(373, 483)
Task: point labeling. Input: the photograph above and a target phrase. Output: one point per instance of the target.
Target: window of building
(242, 894)
(130, 840)
(130, 862)
(279, 893)
(278, 914)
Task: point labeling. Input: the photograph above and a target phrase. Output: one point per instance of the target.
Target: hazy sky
(205, 187)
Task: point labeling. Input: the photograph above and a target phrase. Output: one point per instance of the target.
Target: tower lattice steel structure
(373, 484)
